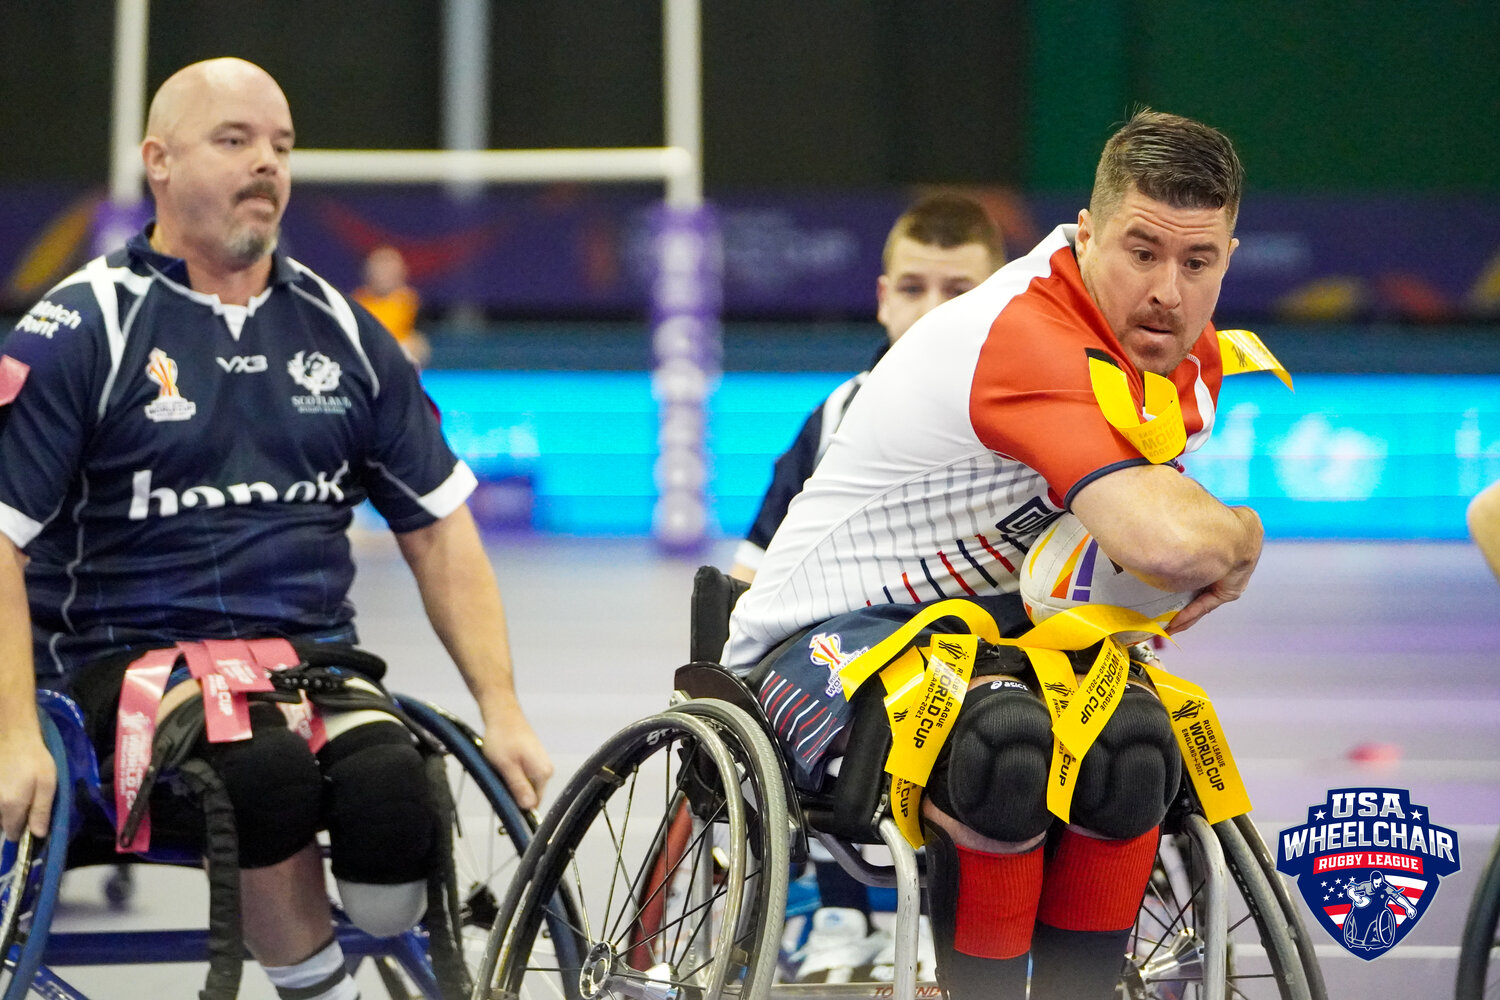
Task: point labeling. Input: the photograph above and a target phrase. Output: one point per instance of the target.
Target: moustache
(1159, 322)
(258, 189)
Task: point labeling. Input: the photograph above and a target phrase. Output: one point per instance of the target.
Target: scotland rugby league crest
(1368, 862)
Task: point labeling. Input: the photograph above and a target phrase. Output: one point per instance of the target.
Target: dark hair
(1171, 159)
(947, 221)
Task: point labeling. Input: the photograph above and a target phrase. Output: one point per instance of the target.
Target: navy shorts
(798, 683)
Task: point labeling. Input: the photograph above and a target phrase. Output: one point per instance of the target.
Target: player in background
(390, 299)
(939, 248)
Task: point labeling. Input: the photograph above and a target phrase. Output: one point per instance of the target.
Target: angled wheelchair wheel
(673, 838)
(748, 741)
(1212, 926)
(489, 833)
(1479, 954)
(31, 871)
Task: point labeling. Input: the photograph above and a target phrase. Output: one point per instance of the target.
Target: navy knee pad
(992, 772)
(275, 786)
(1131, 773)
(380, 814)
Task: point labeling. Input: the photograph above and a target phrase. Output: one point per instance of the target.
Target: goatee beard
(249, 245)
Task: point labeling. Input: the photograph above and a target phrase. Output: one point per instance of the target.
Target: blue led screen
(1345, 456)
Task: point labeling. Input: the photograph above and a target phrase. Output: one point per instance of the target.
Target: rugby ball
(1065, 568)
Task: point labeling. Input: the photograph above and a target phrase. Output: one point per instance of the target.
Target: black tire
(1290, 909)
(605, 838)
(1171, 944)
(1476, 954)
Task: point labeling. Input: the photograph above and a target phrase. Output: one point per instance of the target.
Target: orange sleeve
(1032, 400)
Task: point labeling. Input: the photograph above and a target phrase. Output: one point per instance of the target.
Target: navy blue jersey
(796, 464)
(176, 468)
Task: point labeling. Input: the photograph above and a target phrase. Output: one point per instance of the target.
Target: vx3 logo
(247, 363)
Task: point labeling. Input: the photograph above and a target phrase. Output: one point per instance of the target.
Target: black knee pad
(1131, 773)
(274, 784)
(992, 772)
(380, 814)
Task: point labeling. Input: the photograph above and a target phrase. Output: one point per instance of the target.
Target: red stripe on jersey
(820, 713)
(779, 697)
(954, 573)
(991, 550)
(791, 712)
(909, 590)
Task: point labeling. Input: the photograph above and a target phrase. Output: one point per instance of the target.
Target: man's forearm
(1167, 529)
(17, 676)
(462, 600)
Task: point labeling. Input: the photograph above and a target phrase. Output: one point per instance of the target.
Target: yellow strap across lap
(925, 689)
(857, 671)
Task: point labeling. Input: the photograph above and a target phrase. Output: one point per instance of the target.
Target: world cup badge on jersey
(826, 648)
(169, 403)
(1368, 862)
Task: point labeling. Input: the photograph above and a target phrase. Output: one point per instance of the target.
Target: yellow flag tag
(1096, 700)
(1242, 351)
(921, 708)
(1055, 675)
(857, 671)
(1160, 438)
(1078, 719)
(1205, 751)
(1081, 626)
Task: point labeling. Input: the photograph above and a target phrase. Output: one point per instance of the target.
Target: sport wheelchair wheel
(1180, 951)
(489, 834)
(1480, 948)
(699, 918)
(30, 873)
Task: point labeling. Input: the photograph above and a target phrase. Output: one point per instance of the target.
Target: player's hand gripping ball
(1066, 568)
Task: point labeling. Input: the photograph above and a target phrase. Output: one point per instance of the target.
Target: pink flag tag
(234, 661)
(303, 718)
(135, 729)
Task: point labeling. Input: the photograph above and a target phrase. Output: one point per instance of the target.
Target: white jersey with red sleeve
(970, 436)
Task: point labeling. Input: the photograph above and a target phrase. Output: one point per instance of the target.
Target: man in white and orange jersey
(979, 428)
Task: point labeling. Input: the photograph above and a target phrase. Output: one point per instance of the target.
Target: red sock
(997, 898)
(1096, 885)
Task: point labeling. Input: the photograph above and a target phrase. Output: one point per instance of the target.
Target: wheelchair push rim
(693, 920)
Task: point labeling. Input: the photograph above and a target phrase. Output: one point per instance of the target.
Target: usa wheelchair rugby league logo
(1368, 862)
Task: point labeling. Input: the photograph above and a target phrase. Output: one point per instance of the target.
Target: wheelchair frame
(1184, 937)
(33, 872)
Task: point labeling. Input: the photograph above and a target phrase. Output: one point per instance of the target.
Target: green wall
(1357, 94)
(1371, 95)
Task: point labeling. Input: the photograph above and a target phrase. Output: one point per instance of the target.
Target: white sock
(321, 977)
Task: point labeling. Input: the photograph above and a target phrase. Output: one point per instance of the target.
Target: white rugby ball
(1066, 568)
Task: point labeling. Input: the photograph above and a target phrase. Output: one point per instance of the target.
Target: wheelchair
(676, 838)
(1479, 954)
(487, 832)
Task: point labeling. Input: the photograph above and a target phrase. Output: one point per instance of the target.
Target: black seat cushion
(714, 595)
